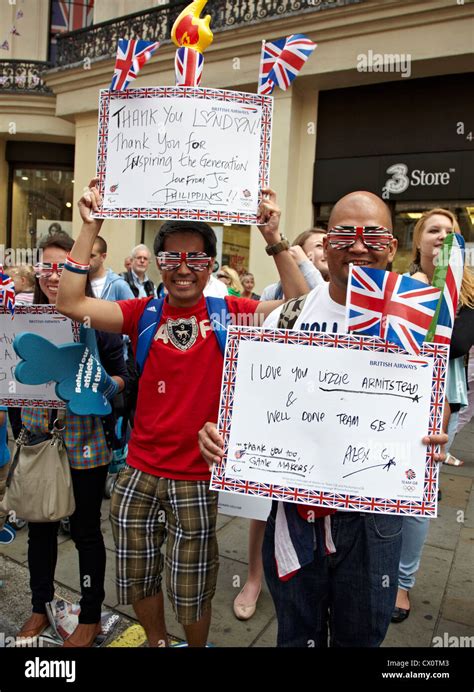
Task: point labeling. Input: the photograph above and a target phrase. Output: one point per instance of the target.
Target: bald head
(360, 208)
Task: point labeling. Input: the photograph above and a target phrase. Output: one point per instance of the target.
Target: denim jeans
(351, 593)
(415, 530)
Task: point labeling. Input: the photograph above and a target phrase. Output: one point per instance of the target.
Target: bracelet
(75, 270)
(71, 260)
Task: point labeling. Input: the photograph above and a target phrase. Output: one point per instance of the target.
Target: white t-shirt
(98, 286)
(215, 288)
(320, 313)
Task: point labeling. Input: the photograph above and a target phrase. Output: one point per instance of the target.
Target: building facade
(385, 103)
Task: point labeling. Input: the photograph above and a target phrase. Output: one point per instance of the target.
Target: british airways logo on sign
(401, 179)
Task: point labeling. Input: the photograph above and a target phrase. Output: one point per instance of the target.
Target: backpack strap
(219, 317)
(290, 312)
(147, 326)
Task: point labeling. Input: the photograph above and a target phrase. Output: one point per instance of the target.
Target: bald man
(347, 583)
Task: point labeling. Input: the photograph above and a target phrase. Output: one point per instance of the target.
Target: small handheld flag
(447, 277)
(131, 56)
(7, 291)
(282, 60)
(390, 306)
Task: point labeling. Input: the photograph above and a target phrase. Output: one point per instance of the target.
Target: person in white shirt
(349, 591)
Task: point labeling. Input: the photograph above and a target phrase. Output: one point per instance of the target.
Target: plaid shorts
(145, 510)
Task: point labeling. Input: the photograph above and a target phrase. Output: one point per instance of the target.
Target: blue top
(4, 451)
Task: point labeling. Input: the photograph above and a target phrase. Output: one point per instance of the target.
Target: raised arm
(72, 300)
(292, 280)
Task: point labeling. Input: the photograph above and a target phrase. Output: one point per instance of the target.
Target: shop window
(236, 247)
(41, 203)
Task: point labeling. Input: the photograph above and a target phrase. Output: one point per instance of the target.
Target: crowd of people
(163, 514)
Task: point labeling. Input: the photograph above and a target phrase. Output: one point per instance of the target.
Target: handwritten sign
(330, 420)
(183, 153)
(37, 319)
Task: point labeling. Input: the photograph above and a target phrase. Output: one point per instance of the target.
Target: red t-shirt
(179, 389)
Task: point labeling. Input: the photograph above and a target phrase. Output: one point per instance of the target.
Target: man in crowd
(164, 490)
(105, 283)
(350, 591)
(136, 276)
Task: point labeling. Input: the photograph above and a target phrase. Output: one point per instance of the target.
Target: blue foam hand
(87, 391)
(81, 380)
(42, 361)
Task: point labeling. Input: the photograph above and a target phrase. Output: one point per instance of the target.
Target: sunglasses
(197, 261)
(223, 276)
(373, 237)
(43, 270)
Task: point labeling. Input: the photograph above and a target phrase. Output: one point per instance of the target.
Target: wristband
(71, 260)
(75, 270)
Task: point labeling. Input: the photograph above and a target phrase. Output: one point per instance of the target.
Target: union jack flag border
(436, 352)
(36, 310)
(211, 216)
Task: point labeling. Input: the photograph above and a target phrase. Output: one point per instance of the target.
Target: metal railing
(23, 76)
(100, 40)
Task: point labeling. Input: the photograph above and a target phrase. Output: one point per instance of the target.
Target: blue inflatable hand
(81, 380)
(42, 361)
(88, 390)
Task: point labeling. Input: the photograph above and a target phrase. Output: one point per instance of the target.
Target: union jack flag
(188, 64)
(7, 292)
(385, 304)
(448, 277)
(131, 56)
(69, 15)
(282, 60)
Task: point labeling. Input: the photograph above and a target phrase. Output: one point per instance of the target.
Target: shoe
(33, 627)
(242, 610)
(7, 535)
(83, 636)
(400, 614)
(452, 461)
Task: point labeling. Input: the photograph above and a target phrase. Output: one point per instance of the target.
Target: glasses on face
(223, 276)
(44, 270)
(197, 261)
(373, 237)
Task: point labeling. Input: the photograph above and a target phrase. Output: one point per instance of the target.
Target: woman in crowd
(230, 278)
(308, 253)
(87, 440)
(248, 282)
(428, 237)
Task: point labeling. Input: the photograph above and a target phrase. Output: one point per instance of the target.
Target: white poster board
(330, 420)
(183, 153)
(45, 321)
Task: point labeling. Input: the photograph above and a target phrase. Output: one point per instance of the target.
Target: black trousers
(88, 487)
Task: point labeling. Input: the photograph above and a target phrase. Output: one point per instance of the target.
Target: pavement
(442, 601)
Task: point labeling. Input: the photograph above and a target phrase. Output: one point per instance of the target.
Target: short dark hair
(198, 227)
(102, 244)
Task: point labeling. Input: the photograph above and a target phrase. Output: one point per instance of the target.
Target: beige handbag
(39, 484)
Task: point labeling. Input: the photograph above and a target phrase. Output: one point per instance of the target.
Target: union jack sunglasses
(373, 237)
(197, 261)
(43, 270)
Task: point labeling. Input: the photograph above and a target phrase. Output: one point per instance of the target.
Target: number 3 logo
(399, 181)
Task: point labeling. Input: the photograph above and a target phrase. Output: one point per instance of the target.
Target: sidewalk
(442, 601)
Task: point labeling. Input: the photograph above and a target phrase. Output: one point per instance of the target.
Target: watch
(276, 248)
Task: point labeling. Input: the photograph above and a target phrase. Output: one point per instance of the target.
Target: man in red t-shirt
(164, 493)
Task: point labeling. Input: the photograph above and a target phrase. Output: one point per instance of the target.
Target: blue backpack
(148, 324)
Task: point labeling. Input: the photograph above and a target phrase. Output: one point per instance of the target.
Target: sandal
(453, 461)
